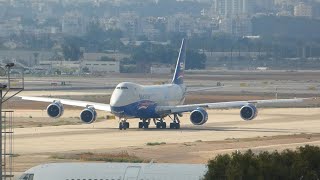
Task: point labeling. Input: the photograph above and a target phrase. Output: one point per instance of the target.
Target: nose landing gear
(123, 124)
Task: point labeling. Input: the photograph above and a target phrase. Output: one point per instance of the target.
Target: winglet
(179, 70)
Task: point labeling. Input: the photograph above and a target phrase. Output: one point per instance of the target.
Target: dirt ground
(225, 132)
(38, 138)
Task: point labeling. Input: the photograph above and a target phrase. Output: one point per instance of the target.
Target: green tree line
(302, 163)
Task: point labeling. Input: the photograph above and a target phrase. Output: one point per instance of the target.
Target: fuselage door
(132, 173)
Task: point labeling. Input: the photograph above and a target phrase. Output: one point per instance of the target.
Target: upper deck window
(122, 88)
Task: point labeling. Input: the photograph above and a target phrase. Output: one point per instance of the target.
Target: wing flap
(98, 106)
(231, 105)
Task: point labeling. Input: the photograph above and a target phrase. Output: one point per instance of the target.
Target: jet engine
(199, 116)
(248, 112)
(55, 110)
(88, 115)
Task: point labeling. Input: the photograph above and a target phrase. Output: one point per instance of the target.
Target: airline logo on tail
(180, 66)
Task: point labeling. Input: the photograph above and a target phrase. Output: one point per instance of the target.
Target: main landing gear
(123, 124)
(160, 124)
(176, 122)
(144, 124)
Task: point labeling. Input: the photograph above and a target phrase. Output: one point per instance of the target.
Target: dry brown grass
(123, 156)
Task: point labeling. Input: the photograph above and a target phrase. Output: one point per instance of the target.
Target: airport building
(160, 69)
(101, 66)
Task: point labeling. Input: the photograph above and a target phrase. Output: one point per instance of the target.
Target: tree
(300, 164)
(71, 50)
(195, 60)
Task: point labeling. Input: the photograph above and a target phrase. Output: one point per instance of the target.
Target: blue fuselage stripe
(142, 109)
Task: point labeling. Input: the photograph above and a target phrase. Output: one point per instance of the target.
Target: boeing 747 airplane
(156, 102)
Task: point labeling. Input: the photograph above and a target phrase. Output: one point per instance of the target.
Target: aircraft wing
(205, 89)
(98, 106)
(230, 105)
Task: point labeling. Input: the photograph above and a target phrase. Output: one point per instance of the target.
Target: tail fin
(179, 71)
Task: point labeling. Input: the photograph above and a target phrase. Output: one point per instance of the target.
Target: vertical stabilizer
(179, 71)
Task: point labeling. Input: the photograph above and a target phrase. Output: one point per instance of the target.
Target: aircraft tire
(146, 125)
(158, 125)
(163, 125)
(140, 125)
(127, 125)
(172, 125)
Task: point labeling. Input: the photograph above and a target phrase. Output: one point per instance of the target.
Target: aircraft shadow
(213, 129)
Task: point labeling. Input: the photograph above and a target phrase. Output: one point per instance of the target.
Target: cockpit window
(122, 87)
(26, 177)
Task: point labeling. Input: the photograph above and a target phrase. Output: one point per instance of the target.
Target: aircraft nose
(117, 99)
(114, 100)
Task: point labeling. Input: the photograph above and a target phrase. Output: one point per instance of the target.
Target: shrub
(155, 143)
(301, 163)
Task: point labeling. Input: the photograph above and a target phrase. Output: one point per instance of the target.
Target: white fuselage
(130, 100)
(164, 95)
(121, 171)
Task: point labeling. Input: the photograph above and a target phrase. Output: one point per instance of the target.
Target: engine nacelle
(248, 112)
(199, 116)
(88, 115)
(55, 110)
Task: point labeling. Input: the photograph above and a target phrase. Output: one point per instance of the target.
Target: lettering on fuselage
(144, 96)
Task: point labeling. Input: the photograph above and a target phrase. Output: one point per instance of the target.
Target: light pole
(2, 86)
(7, 87)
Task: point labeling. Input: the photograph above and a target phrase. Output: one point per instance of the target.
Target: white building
(303, 10)
(101, 66)
(181, 23)
(226, 25)
(236, 26)
(160, 69)
(231, 8)
(73, 23)
(129, 23)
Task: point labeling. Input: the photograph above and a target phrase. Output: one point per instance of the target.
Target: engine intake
(55, 110)
(248, 112)
(199, 116)
(88, 115)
